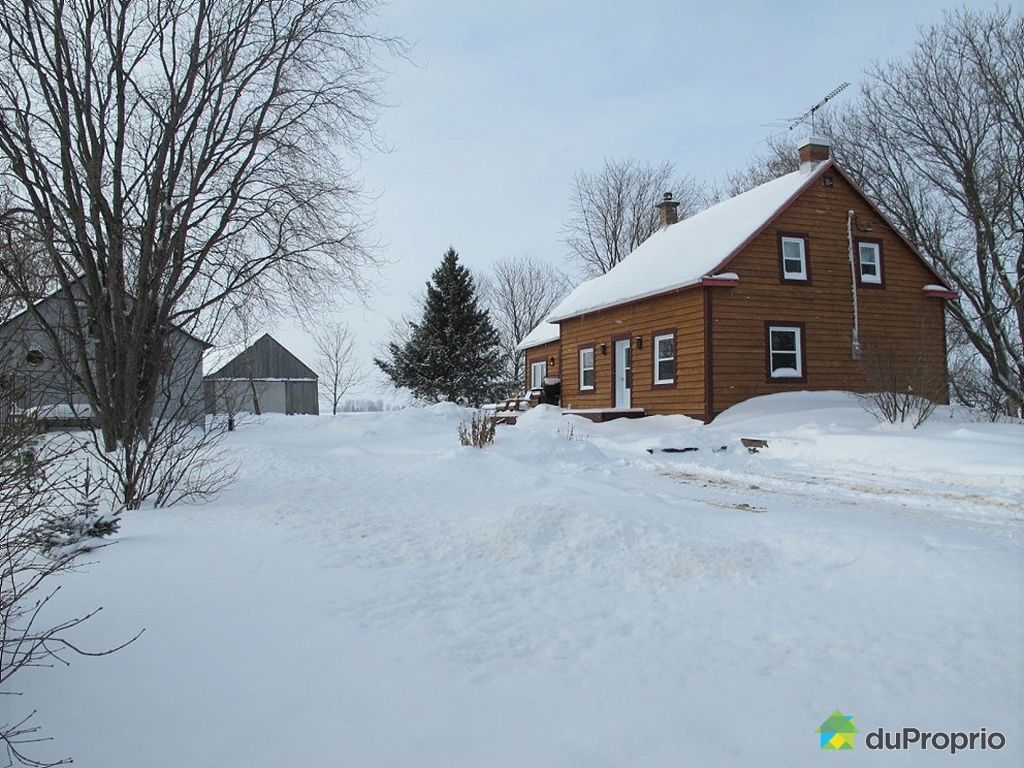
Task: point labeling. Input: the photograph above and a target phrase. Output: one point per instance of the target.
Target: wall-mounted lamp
(639, 342)
(604, 349)
(551, 360)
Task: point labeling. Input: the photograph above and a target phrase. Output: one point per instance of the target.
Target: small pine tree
(452, 353)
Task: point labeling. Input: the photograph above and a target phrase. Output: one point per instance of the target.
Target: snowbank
(372, 593)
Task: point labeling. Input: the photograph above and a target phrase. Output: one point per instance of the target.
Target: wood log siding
(727, 325)
(543, 353)
(896, 315)
(683, 311)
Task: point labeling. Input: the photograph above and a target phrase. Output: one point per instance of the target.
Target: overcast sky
(503, 102)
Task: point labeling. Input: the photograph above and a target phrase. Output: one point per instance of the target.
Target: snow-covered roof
(544, 333)
(682, 254)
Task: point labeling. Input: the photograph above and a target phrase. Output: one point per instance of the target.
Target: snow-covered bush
(478, 430)
(78, 526)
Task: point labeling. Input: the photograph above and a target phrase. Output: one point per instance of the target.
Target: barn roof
(24, 308)
(264, 358)
(683, 254)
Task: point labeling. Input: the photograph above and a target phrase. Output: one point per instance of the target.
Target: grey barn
(42, 369)
(263, 377)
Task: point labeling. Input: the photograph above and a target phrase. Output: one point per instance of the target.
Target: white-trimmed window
(587, 369)
(785, 352)
(538, 371)
(664, 358)
(870, 262)
(794, 257)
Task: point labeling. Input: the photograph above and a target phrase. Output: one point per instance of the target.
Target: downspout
(855, 345)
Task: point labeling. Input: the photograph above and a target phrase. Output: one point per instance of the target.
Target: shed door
(272, 396)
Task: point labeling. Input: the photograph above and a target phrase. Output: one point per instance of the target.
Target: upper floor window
(785, 352)
(538, 371)
(664, 358)
(587, 369)
(870, 258)
(793, 255)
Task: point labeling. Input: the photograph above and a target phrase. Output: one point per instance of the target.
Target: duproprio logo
(838, 731)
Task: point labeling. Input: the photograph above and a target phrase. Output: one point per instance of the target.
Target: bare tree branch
(613, 211)
(520, 293)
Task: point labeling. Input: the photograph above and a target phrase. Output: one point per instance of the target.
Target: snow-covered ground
(370, 593)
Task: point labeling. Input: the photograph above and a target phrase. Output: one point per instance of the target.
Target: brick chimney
(814, 150)
(668, 209)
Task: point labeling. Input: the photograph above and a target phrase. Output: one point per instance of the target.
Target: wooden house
(798, 284)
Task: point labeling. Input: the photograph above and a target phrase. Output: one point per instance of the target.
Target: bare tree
(520, 293)
(613, 210)
(336, 360)
(25, 259)
(170, 155)
(938, 140)
(778, 158)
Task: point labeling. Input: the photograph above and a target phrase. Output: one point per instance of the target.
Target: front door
(623, 374)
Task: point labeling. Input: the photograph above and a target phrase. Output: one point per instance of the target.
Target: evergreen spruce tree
(452, 353)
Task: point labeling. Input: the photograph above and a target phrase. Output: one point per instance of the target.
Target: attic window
(793, 258)
(870, 259)
(35, 357)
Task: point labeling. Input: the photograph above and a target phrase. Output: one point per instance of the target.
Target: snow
(816, 140)
(60, 411)
(544, 333)
(370, 593)
(682, 254)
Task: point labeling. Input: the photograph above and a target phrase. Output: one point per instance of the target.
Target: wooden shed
(261, 377)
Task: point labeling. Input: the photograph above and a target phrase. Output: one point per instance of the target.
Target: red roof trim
(628, 302)
(883, 217)
(778, 212)
(945, 294)
(829, 164)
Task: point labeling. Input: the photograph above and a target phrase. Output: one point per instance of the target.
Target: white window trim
(593, 366)
(799, 352)
(659, 360)
(535, 381)
(786, 274)
(875, 279)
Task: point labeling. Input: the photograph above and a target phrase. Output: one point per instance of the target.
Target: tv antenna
(793, 122)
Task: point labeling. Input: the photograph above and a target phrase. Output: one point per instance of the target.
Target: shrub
(904, 386)
(478, 430)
